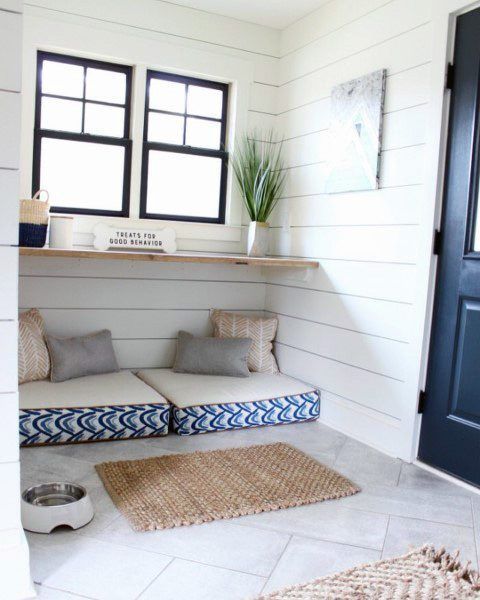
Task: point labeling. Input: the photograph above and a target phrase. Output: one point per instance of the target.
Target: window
(184, 173)
(82, 150)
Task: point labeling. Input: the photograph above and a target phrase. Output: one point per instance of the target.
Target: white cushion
(111, 389)
(185, 390)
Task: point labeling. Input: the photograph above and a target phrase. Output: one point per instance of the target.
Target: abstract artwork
(356, 133)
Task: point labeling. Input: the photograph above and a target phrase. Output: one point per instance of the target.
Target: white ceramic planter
(61, 232)
(257, 243)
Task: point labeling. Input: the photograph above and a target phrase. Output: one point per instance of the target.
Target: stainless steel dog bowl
(49, 505)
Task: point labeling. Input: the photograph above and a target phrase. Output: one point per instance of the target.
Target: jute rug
(423, 574)
(186, 489)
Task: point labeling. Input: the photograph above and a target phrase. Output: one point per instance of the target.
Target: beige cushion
(33, 357)
(260, 330)
(112, 389)
(185, 390)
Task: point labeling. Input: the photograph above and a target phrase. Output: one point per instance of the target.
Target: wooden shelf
(178, 257)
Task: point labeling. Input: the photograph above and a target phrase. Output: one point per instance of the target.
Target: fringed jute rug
(186, 489)
(423, 574)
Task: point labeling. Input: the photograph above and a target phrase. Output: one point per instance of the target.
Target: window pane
(165, 128)
(62, 79)
(106, 86)
(203, 134)
(61, 115)
(82, 175)
(167, 95)
(183, 184)
(104, 120)
(204, 102)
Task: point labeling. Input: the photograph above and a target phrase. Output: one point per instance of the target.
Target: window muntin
(184, 169)
(82, 149)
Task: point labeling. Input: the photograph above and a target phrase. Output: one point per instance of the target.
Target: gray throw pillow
(80, 356)
(212, 356)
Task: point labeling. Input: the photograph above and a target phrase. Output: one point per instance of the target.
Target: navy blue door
(450, 435)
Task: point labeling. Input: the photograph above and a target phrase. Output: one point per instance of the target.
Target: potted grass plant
(258, 167)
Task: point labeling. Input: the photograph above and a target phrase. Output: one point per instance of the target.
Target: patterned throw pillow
(260, 330)
(33, 357)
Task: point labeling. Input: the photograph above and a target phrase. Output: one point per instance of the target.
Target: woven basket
(34, 221)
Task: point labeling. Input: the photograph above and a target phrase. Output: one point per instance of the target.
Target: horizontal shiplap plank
(263, 98)
(8, 282)
(377, 355)
(10, 106)
(389, 206)
(375, 317)
(10, 51)
(60, 292)
(325, 21)
(400, 129)
(360, 422)
(258, 121)
(12, 5)
(384, 27)
(405, 90)
(389, 243)
(366, 389)
(10, 513)
(173, 20)
(125, 323)
(399, 167)
(9, 206)
(128, 324)
(9, 441)
(137, 270)
(398, 56)
(405, 127)
(8, 356)
(145, 354)
(381, 281)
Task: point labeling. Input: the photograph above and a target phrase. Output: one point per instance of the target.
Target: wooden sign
(124, 238)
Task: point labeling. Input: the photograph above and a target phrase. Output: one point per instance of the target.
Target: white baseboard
(450, 478)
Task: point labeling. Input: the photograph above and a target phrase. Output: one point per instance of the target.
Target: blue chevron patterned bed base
(220, 417)
(68, 425)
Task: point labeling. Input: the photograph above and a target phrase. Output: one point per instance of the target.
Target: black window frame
(124, 141)
(183, 148)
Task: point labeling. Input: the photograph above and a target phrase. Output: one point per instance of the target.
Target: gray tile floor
(400, 506)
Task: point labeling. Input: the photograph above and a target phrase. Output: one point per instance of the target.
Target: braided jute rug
(423, 574)
(186, 489)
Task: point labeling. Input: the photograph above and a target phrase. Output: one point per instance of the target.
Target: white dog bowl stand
(50, 505)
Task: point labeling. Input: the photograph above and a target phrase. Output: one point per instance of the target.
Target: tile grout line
(385, 538)
(309, 537)
(475, 540)
(276, 564)
(48, 587)
(156, 577)
(399, 474)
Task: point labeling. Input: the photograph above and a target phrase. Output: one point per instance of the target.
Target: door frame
(444, 14)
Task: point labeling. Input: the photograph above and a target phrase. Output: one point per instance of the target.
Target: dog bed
(94, 408)
(203, 403)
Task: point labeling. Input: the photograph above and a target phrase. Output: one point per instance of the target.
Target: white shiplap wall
(349, 328)
(352, 327)
(14, 562)
(145, 304)
(160, 36)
